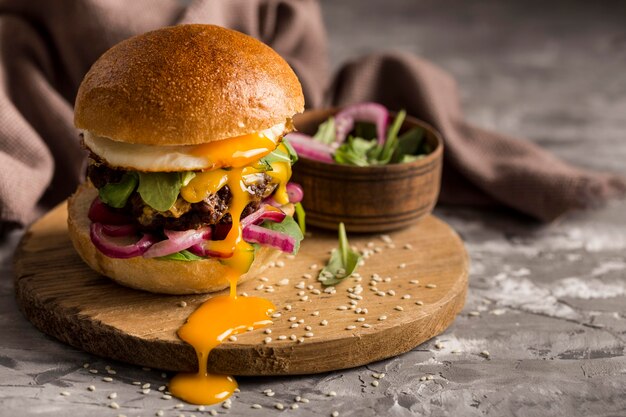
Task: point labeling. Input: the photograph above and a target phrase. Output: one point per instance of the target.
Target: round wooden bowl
(368, 199)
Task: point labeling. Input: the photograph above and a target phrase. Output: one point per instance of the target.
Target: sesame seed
(315, 313)
(374, 383)
(304, 298)
(294, 406)
(166, 397)
(114, 405)
(360, 319)
(485, 353)
(112, 395)
(213, 412)
(147, 385)
(307, 328)
(430, 377)
(380, 293)
(399, 308)
(308, 334)
(293, 337)
(288, 307)
(249, 329)
(282, 337)
(313, 266)
(146, 391)
(136, 383)
(267, 340)
(91, 388)
(111, 372)
(259, 287)
(65, 393)
(179, 406)
(419, 303)
(423, 378)
(301, 340)
(300, 293)
(324, 323)
(335, 414)
(200, 408)
(414, 281)
(474, 313)
(283, 282)
(381, 318)
(256, 406)
(304, 400)
(367, 326)
(406, 296)
(268, 331)
(307, 276)
(276, 315)
(85, 365)
(107, 379)
(332, 394)
(316, 291)
(431, 286)
(226, 405)
(402, 266)
(439, 345)
(232, 338)
(292, 318)
(279, 406)
(342, 308)
(329, 290)
(455, 351)
(280, 264)
(182, 304)
(350, 327)
(93, 371)
(159, 413)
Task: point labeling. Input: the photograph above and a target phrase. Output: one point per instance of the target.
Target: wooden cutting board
(64, 298)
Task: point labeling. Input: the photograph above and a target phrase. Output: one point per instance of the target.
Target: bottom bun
(155, 275)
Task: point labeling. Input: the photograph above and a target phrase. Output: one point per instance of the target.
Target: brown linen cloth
(47, 47)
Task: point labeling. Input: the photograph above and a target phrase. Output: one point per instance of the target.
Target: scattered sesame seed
(146, 385)
(315, 313)
(307, 328)
(350, 327)
(430, 377)
(226, 405)
(399, 308)
(419, 303)
(159, 413)
(283, 282)
(136, 383)
(288, 307)
(264, 279)
(268, 331)
(276, 315)
(414, 281)
(304, 298)
(380, 293)
(374, 383)
(107, 379)
(313, 266)
(431, 285)
(308, 334)
(111, 372)
(267, 340)
(304, 400)
(316, 291)
(292, 318)
(406, 296)
(166, 397)
(367, 326)
(293, 337)
(112, 395)
(213, 412)
(307, 276)
(182, 304)
(294, 406)
(342, 308)
(114, 405)
(145, 391)
(332, 394)
(279, 406)
(381, 318)
(93, 371)
(91, 388)
(85, 365)
(65, 393)
(232, 338)
(259, 287)
(360, 319)
(335, 414)
(408, 246)
(474, 313)
(280, 264)
(324, 323)
(282, 337)
(200, 408)
(439, 345)
(179, 406)
(256, 406)
(402, 266)
(485, 353)
(423, 378)
(455, 351)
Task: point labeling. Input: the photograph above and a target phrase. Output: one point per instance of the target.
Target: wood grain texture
(368, 199)
(64, 298)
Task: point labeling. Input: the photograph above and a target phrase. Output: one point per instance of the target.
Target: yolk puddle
(226, 315)
(237, 151)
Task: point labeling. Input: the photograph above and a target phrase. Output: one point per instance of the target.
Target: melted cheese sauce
(223, 316)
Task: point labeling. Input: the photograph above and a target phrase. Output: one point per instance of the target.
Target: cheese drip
(223, 316)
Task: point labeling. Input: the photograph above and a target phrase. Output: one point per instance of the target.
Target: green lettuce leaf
(183, 255)
(160, 190)
(408, 145)
(301, 217)
(287, 226)
(326, 132)
(343, 261)
(117, 194)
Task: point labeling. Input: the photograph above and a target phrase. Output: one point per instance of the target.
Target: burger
(187, 187)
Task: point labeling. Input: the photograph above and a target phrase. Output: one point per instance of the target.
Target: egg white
(155, 158)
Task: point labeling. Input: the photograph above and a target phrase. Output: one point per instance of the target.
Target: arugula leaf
(326, 132)
(116, 194)
(392, 138)
(289, 227)
(354, 151)
(408, 145)
(160, 190)
(293, 155)
(343, 261)
(183, 255)
(263, 165)
(300, 213)
(186, 177)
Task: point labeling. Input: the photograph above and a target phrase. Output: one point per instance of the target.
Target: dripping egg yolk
(223, 316)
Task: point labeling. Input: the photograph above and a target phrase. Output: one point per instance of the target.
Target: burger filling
(228, 209)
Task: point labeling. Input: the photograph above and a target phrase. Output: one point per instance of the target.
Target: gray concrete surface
(551, 300)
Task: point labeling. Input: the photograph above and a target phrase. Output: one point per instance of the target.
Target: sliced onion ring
(267, 237)
(266, 211)
(113, 249)
(115, 230)
(99, 212)
(362, 112)
(309, 148)
(177, 241)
